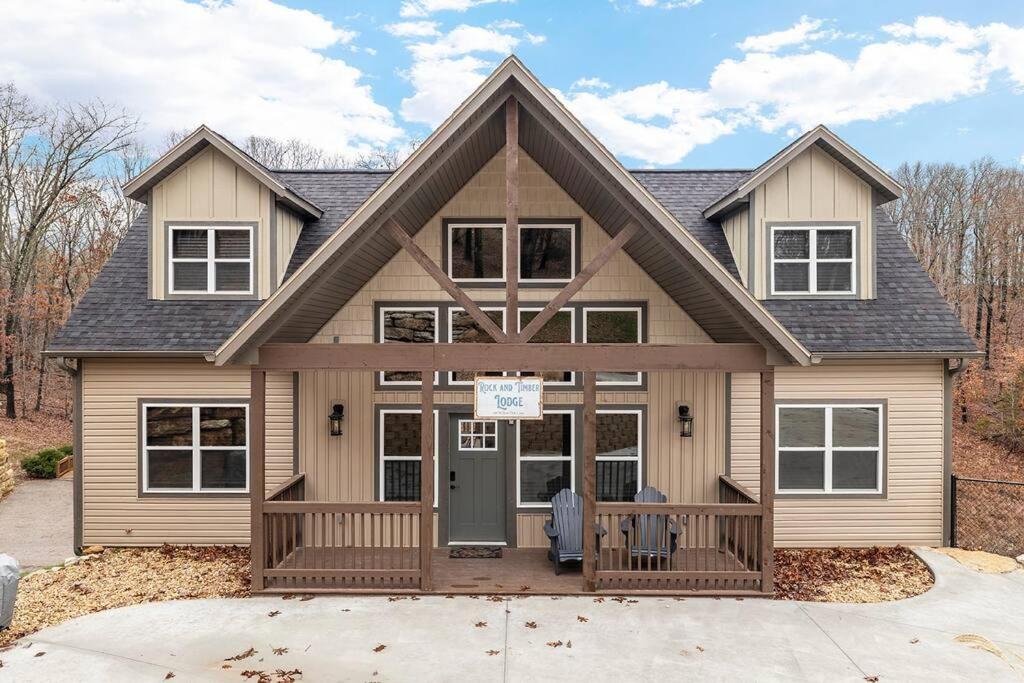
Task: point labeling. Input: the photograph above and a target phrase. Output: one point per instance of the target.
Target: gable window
(407, 325)
(211, 259)
(824, 448)
(399, 454)
(613, 326)
(547, 253)
(813, 260)
(476, 252)
(619, 447)
(195, 448)
(545, 452)
(463, 329)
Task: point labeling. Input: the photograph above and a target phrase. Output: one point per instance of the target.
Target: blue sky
(672, 83)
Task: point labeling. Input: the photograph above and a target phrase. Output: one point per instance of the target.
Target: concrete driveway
(969, 627)
(36, 522)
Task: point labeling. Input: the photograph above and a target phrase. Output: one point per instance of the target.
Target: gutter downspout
(948, 375)
(75, 371)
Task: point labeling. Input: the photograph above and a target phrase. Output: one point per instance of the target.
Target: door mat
(475, 552)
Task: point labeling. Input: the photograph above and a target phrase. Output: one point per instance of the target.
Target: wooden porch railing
(311, 545)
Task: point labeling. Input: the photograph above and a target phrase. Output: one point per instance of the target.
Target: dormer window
(813, 260)
(211, 259)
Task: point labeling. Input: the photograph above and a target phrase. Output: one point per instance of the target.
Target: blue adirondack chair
(565, 529)
(651, 536)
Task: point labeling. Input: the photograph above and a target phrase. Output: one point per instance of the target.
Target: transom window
(613, 326)
(211, 259)
(619, 452)
(476, 252)
(813, 260)
(545, 454)
(478, 435)
(400, 456)
(190, 448)
(829, 448)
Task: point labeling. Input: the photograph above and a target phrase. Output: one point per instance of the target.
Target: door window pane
(855, 470)
(476, 253)
(222, 469)
(169, 426)
(169, 469)
(855, 427)
(557, 330)
(540, 480)
(801, 427)
(802, 470)
(546, 253)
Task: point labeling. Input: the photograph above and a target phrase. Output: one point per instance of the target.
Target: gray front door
(476, 480)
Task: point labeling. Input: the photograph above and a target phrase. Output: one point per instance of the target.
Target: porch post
(512, 215)
(426, 477)
(767, 480)
(257, 472)
(589, 479)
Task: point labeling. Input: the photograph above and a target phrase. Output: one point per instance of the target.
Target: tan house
(297, 360)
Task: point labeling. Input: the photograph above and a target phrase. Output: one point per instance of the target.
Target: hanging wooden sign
(508, 398)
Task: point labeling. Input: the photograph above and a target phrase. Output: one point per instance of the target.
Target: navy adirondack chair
(565, 529)
(648, 536)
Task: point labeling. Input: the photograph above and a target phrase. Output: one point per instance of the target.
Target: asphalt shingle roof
(908, 315)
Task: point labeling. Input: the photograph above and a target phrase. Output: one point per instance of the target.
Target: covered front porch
(303, 544)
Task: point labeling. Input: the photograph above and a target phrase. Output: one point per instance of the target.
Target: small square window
(546, 253)
(813, 260)
(476, 253)
(210, 260)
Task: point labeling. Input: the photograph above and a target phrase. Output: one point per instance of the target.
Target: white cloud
(177, 64)
(664, 4)
(806, 29)
(591, 83)
(423, 8)
(413, 29)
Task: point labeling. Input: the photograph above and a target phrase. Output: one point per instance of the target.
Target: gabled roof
(138, 187)
(831, 143)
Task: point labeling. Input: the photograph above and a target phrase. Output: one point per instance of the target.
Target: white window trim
(484, 434)
(196, 448)
(572, 338)
(639, 457)
(812, 259)
(639, 333)
(211, 259)
(829, 449)
(504, 257)
(546, 458)
(573, 266)
(572, 252)
(380, 448)
(451, 319)
(380, 335)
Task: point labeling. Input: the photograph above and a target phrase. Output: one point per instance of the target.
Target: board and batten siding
(210, 187)
(911, 512)
(288, 226)
(113, 512)
(736, 227)
(814, 187)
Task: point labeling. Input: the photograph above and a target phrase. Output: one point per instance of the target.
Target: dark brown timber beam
(577, 283)
(513, 356)
(447, 284)
(589, 480)
(512, 213)
(767, 480)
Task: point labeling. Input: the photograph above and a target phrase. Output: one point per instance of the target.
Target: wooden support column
(257, 473)
(426, 477)
(589, 479)
(512, 213)
(768, 480)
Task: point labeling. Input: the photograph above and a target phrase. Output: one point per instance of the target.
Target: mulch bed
(127, 576)
(850, 574)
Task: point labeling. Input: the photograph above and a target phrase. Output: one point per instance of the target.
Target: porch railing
(310, 545)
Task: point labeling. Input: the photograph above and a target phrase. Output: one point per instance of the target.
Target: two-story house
(289, 359)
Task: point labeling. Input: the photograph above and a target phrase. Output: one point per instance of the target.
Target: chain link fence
(988, 515)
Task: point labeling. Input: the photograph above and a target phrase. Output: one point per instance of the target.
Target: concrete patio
(970, 626)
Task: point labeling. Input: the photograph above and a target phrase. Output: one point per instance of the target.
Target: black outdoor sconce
(336, 417)
(685, 422)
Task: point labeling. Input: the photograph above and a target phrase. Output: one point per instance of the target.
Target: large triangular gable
(575, 160)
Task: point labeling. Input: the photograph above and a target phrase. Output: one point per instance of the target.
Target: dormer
(221, 225)
(802, 225)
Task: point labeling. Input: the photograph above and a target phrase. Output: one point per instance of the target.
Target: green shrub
(43, 465)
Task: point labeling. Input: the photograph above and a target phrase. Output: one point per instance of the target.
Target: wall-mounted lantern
(336, 417)
(685, 422)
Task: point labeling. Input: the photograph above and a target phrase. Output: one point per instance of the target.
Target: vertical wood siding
(737, 233)
(814, 186)
(114, 513)
(289, 225)
(209, 187)
(911, 513)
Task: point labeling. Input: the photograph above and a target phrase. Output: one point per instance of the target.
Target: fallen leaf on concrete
(555, 643)
(871, 679)
(700, 649)
(481, 624)
(495, 598)
(289, 596)
(491, 653)
(531, 624)
(242, 655)
(287, 676)
(169, 676)
(280, 650)
(40, 654)
(260, 676)
(569, 644)
(379, 648)
(915, 641)
(598, 599)
(582, 620)
(274, 613)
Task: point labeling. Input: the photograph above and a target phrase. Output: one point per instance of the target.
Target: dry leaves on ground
(127, 576)
(849, 574)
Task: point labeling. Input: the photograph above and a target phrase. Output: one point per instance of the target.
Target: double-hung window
(399, 456)
(476, 252)
(813, 260)
(211, 259)
(830, 448)
(545, 452)
(195, 448)
(619, 454)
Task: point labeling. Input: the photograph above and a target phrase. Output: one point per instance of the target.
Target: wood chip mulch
(850, 574)
(127, 576)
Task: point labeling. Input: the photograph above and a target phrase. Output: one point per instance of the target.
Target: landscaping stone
(92, 550)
